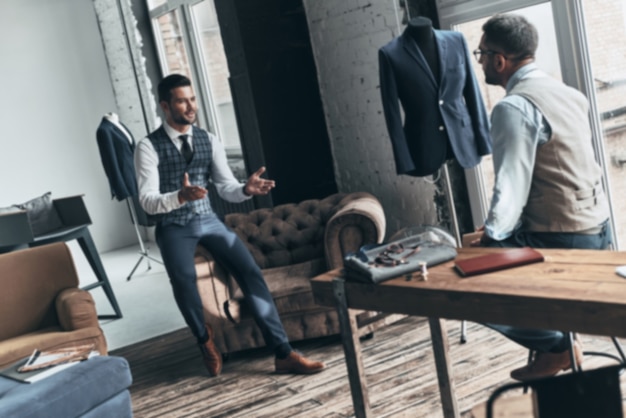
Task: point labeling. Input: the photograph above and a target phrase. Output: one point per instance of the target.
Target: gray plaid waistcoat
(172, 167)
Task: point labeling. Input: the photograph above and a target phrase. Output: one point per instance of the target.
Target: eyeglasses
(478, 53)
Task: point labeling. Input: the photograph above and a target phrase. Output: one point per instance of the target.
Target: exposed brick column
(136, 105)
(346, 37)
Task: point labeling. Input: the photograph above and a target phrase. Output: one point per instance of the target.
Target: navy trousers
(178, 244)
(537, 339)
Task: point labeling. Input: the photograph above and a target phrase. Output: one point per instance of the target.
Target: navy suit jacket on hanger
(449, 107)
(116, 152)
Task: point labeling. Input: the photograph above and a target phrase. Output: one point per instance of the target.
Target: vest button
(441, 128)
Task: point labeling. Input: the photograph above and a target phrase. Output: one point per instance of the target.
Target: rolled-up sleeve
(228, 187)
(515, 129)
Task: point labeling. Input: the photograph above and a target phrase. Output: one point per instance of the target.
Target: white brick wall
(346, 36)
(127, 67)
(136, 105)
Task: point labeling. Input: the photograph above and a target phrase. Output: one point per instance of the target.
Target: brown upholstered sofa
(41, 305)
(292, 243)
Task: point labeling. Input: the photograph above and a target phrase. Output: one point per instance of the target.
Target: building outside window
(189, 41)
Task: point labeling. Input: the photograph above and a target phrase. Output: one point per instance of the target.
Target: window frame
(207, 113)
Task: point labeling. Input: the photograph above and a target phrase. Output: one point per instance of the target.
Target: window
(605, 22)
(189, 41)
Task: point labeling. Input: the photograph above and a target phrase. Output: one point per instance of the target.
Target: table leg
(439, 338)
(352, 351)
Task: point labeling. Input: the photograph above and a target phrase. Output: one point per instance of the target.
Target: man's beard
(490, 78)
(181, 120)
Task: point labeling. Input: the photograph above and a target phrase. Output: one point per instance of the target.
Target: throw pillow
(42, 215)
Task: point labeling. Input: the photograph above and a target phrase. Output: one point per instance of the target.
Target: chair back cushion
(30, 280)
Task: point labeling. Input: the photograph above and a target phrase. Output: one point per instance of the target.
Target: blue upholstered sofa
(96, 388)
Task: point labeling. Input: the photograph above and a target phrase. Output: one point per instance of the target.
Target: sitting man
(173, 164)
(548, 189)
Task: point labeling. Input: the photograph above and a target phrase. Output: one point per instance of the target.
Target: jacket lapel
(442, 50)
(413, 50)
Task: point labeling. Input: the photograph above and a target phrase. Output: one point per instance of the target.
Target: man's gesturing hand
(258, 186)
(190, 192)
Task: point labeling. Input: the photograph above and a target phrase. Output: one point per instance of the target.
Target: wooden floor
(170, 380)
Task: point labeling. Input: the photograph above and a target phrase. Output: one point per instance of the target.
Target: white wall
(55, 87)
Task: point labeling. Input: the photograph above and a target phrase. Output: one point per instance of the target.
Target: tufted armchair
(292, 243)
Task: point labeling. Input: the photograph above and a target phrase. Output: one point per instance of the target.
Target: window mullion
(577, 72)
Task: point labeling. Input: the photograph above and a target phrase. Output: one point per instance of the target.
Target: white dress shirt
(147, 171)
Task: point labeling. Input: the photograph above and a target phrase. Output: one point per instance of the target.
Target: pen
(33, 357)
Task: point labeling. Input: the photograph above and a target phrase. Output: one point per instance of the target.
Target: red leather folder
(511, 257)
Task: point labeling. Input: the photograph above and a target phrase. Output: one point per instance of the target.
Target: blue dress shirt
(517, 129)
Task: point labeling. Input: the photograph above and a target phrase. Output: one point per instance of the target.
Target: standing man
(174, 164)
(548, 191)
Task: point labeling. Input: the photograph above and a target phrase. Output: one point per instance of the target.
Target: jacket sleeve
(476, 106)
(391, 106)
(111, 164)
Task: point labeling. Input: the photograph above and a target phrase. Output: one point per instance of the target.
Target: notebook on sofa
(509, 258)
(42, 364)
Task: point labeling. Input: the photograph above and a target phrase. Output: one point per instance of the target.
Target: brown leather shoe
(211, 355)
(295, 363)
(548, 364)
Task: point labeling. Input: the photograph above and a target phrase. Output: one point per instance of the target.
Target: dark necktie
(186, 149)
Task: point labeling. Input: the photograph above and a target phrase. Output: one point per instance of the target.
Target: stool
(594, 393)
(75, 226)
(42, 221)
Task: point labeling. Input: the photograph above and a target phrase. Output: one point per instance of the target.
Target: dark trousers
(546, 340)
(178, 244)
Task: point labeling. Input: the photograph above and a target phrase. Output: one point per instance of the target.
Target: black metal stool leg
(531, 356)
(89, 249)
(463, 332)
(619, 349)
(620, 358)
(572, 355)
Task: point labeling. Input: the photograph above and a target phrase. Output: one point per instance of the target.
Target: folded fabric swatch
(394, 259)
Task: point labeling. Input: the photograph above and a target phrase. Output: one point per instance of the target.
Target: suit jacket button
(440, 102)
(441, 128)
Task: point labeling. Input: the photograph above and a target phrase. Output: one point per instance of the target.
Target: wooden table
(573, 290)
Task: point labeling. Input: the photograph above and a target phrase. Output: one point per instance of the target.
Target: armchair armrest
(76, 309)
(72, 211)
(358, 222)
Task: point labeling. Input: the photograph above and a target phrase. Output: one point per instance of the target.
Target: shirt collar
(522, 73)
(173, 133)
